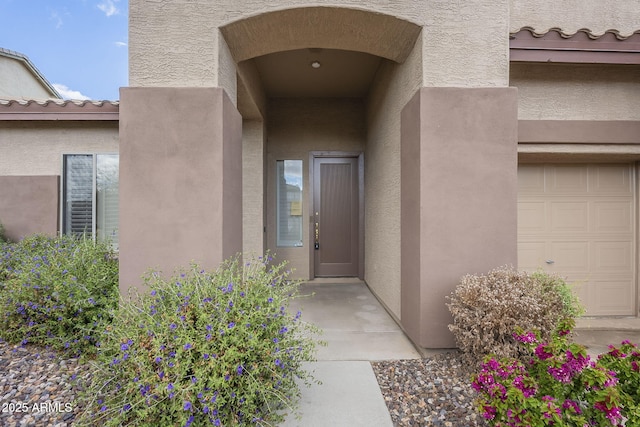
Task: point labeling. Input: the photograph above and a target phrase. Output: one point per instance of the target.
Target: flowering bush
(203, 348)
(625, 361)
(487, 309)
(55, 290)
(559, 386)
(3, 237)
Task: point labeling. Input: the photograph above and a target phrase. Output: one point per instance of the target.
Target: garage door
(578, 221)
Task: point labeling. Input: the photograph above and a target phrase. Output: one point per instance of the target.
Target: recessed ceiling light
(315, 64)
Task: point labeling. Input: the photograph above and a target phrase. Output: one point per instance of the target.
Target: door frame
(337, 154)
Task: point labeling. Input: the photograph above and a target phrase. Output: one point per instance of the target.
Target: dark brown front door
(336, 216)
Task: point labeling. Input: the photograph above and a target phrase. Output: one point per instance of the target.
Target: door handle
(549, 261)
(317, 233)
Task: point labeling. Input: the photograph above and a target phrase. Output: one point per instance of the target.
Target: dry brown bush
(487, 309)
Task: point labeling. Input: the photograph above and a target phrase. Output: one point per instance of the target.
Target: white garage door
(578, 221)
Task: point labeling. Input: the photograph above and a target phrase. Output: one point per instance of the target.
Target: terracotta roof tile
(583, 32)
(583, 46)
(58, 109)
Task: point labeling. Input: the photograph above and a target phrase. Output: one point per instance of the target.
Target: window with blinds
(78, 194)
(289, 203)
(90, 196)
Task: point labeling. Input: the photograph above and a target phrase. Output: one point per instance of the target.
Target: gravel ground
(35, 387)
(435, 391)
(36, 390)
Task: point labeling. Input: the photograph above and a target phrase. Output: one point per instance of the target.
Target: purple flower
(489, 412)
(158, 359)
(189, 421)
(186, 406)
(187, 346)
(172, 326)
(231, 325)
(526, 338)
(240, 369)
(170, 386)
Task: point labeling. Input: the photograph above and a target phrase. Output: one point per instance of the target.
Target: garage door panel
(612, 217)
(611, 179)
(531, 255)
(570, 256)
(585, 223)
(611, 297)
(531, 179)
(531, 217)
(613, 256)
(569, 217)
(571, 179)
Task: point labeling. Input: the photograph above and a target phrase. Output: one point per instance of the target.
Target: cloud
(121, 44)
(108, 7)
(68, 93)
(55, 17)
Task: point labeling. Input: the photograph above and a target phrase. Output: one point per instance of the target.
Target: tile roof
(58, 109)
(581, 32)
(583, 46)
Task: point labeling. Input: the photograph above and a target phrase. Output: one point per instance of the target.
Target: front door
(336, 216)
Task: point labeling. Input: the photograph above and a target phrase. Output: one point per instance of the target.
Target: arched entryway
(316, 91)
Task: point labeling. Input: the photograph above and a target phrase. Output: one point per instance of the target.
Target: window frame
(94, 191)
(282, 243)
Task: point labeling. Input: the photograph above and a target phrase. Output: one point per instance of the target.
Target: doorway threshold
(349, 279)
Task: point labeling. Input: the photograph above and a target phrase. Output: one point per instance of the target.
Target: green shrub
(558, 385)
(3, 236)
(625, 362)
(487, 309)
(205, 348)
(55, 291)
(572, 308)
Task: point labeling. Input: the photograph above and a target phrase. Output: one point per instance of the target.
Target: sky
(79, 46)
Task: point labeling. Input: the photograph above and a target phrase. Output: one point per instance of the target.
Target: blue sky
(79, 46)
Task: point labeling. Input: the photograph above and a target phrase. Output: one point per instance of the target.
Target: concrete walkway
(598, 333)
(357, 330)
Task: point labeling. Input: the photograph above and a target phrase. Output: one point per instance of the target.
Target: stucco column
(458, 199)
(180, 180)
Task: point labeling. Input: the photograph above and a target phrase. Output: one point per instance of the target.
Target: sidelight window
(289, 203)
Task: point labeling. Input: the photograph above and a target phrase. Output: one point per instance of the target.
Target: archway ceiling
(342, 74)
(327, 27)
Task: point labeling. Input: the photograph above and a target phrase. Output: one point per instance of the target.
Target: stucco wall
(576, 92)
(36, 148)
(466, 42)
(394, 86)
(17, 82)
(296, 127)
(28, 205)
(572, 15)
(253, 186)
(181, 157)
